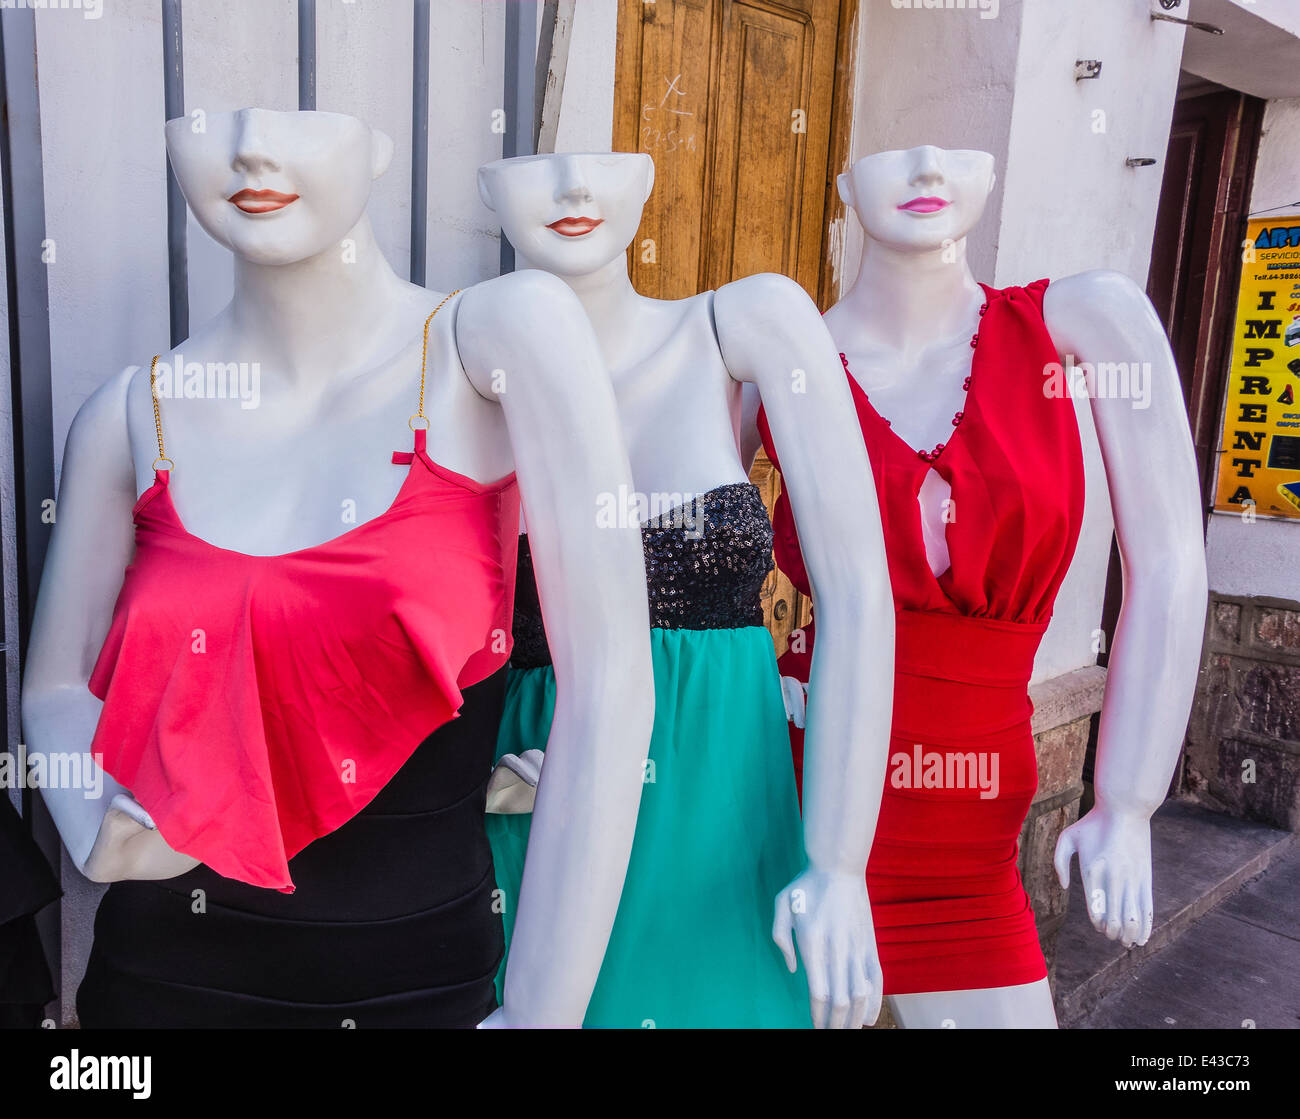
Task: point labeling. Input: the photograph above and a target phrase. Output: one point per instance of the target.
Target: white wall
(1260, 558)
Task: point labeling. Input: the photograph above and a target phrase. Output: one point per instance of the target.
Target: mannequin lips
(261, 201)
(574, 227)
(926, 205)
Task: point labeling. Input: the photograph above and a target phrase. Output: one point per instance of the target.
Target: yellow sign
(1259, 463)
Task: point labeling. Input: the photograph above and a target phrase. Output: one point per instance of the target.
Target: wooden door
(743, 106)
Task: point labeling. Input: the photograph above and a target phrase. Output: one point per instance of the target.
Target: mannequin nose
(252, 154)
(927, 165)
(572, 183)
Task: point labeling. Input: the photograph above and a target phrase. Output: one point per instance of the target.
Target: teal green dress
(718, 834)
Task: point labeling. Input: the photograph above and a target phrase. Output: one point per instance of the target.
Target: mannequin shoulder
(518, 304)
(766, 300)
(764, 316)
(1089, 299)
(528, 326)
(101, 425)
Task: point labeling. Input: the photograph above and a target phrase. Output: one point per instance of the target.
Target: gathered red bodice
(1014, 466)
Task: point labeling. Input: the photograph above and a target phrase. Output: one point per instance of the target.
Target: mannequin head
(918, 199)
(275, 187)
(536, 198)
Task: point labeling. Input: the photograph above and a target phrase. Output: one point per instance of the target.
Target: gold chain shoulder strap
(424, 357)
(157, 418)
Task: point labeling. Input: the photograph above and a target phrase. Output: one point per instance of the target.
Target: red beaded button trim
(930, 456)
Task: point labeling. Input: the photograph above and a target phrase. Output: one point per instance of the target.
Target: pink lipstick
(927, 205)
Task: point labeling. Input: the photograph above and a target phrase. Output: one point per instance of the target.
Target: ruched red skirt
(950, 910)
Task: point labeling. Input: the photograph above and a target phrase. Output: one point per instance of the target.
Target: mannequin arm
(568, 449)
(772, 336)
(92, 542)
(1155, 655)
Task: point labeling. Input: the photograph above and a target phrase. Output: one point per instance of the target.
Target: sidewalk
(1225, 953)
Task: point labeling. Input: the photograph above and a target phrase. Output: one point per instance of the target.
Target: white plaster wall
(933, 76)
(1261, 558)
(587, 108)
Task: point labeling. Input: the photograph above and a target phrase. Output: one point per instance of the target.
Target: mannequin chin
(921, 198)
(277, 187)
(535, 196)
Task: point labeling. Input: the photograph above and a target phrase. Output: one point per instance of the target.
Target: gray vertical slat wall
(22, 181)
(21, 174)
(177, 218)
(520, 93)
(419, 142)
(306, 55)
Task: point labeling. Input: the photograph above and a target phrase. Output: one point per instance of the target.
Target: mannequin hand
(795, 695)
(126, 848)
(512, 788)
(830, 915)
(1114, 849)
(494, 1021)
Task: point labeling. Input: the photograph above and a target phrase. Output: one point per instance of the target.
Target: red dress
(950, 910)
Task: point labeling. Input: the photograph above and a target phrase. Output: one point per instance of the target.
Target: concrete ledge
(1064, 699)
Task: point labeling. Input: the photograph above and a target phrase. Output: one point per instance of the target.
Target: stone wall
(1063, 714)
(1243, 744)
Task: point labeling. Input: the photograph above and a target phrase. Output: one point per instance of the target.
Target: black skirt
(27, 885)
(392, 923)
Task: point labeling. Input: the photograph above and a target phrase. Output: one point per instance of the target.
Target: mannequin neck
(908, 300)
(318, 315)
(612, 305)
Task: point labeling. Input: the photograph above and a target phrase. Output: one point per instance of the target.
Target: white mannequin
(905, 327)
(683, 432)
(337, 336)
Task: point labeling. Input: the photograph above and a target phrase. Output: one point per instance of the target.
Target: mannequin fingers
(134, 809)
(819, 994)
(1094, 893)
(783, 930)
(837, 958)
(1148, 909)
(792, 692)
(531, 765)
(876, 995)
(1132, 929)
(1114, 902)
(1065, 849)
(860, 993)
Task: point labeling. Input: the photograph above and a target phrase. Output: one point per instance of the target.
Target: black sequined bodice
(705, 565)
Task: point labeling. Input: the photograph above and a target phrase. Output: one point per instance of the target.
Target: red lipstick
(261, 201)
(574, 227)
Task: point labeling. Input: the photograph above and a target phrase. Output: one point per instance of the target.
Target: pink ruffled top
(255, 703)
